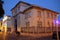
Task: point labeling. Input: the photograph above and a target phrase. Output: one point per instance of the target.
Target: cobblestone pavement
(5, 36)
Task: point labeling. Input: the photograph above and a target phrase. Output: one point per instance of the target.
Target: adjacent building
(7, 23)
(31, 19)
(1, 25)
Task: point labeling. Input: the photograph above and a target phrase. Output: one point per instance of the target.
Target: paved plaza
(5, 36)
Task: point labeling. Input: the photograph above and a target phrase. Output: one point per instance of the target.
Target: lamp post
(57, 30)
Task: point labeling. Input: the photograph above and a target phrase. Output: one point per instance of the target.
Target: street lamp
(57, 30)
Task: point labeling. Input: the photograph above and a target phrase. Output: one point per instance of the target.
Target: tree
(1, 9)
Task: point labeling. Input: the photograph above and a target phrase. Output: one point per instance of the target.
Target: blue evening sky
(50, 4)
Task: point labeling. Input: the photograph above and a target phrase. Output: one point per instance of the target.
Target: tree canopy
(1, 9)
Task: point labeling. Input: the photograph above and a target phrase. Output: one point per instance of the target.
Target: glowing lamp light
(57, 22)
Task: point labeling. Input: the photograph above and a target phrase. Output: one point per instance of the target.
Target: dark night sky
(49, 4)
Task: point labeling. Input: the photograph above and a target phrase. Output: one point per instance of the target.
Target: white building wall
(23, 7)
(22, 20)
(12, 23)
(6, 23)
(20, 17)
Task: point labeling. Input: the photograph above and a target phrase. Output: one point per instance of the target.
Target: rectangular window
(52, 26)
(18, 9)
(27, 24)
(15, 11)
(55, 16)
(48, 14)
(48, 29)
(39, 24)
(39, 13)
(18, 20)
(28, 15)
(40, 29)
(12, 12)
(48, 24)
(51, 15)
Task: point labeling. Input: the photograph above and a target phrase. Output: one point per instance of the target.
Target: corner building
(33, 20)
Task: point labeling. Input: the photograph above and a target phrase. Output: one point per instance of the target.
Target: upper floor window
(39, 13)
(28, 14)
(18, 19)
(18, 8)
(48, 24)
(27, 24)
(52, 24)
(52, 15)
(15, 11)
(39, 24)
(55, 16)
(48, 14)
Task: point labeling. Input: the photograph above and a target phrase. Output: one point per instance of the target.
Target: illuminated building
(31, 19)
(1, 25)
(6, 23)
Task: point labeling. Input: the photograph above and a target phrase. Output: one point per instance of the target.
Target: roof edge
(40, 8)
(20, 2)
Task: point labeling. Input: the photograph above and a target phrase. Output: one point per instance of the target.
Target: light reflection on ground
(2, 35)
(5, 36)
